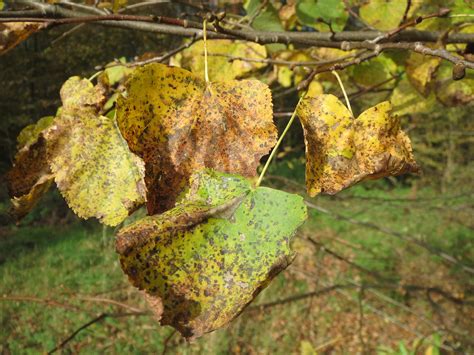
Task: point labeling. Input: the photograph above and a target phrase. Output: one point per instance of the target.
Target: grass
(49, 274)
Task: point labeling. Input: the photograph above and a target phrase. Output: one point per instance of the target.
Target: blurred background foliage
(387, 245)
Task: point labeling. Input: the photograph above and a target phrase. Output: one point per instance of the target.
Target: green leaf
(93, 166)
(266, 19)
(333, 11)
(375, 71)
(207, 261)
(383, 14)
(406, 100)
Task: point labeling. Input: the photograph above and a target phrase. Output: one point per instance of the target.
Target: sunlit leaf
(220, 66)
(420, 70)
(207, 261)
(93, 167)
(383, 14)
(13, 33)
(177, 123)
(342, 151)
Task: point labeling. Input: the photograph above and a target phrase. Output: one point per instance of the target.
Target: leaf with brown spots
(208, 257)
(92, 164)
(341, 150)
(179, 124)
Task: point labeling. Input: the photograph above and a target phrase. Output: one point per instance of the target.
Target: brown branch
(97, 319)
(281, 61)
(190, 28)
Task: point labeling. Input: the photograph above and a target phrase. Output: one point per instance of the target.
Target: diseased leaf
(420, 70)
(208, 257)
(13, 33)
(93, 167)
(342, 151)
(383, 14)
(221, 67)
(30, 177)
(178, 124)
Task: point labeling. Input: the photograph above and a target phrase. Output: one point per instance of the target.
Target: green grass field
(55, 279)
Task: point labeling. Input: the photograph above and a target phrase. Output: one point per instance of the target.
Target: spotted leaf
(179, 124)
(341, 150)
(93, 167)
(208, 257)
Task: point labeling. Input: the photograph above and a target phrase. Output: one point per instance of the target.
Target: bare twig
(95, 320)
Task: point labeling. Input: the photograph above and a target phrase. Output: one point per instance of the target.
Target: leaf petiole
(275, 149)
(204, 34)
(343, 91)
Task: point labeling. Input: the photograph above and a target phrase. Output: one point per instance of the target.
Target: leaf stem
(343, 91)
(204, 35)
(95, 75)
(275, 149)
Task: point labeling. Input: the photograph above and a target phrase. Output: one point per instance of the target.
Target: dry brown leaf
(13, 33)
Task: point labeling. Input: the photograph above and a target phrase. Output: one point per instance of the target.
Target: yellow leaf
(178, 124)
(406, 100)
(220, 63)
(92, 164)
(341, 150)
(383, 14)
(420, 70)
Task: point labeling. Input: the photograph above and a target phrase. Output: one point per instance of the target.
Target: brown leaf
(29, 178)
(178, 124)
(13, 33)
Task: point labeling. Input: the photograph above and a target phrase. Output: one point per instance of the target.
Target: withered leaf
(13, 33)
(341, 150)
(30, 177)
(208, 257)
(92, 165)
(179, 124)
